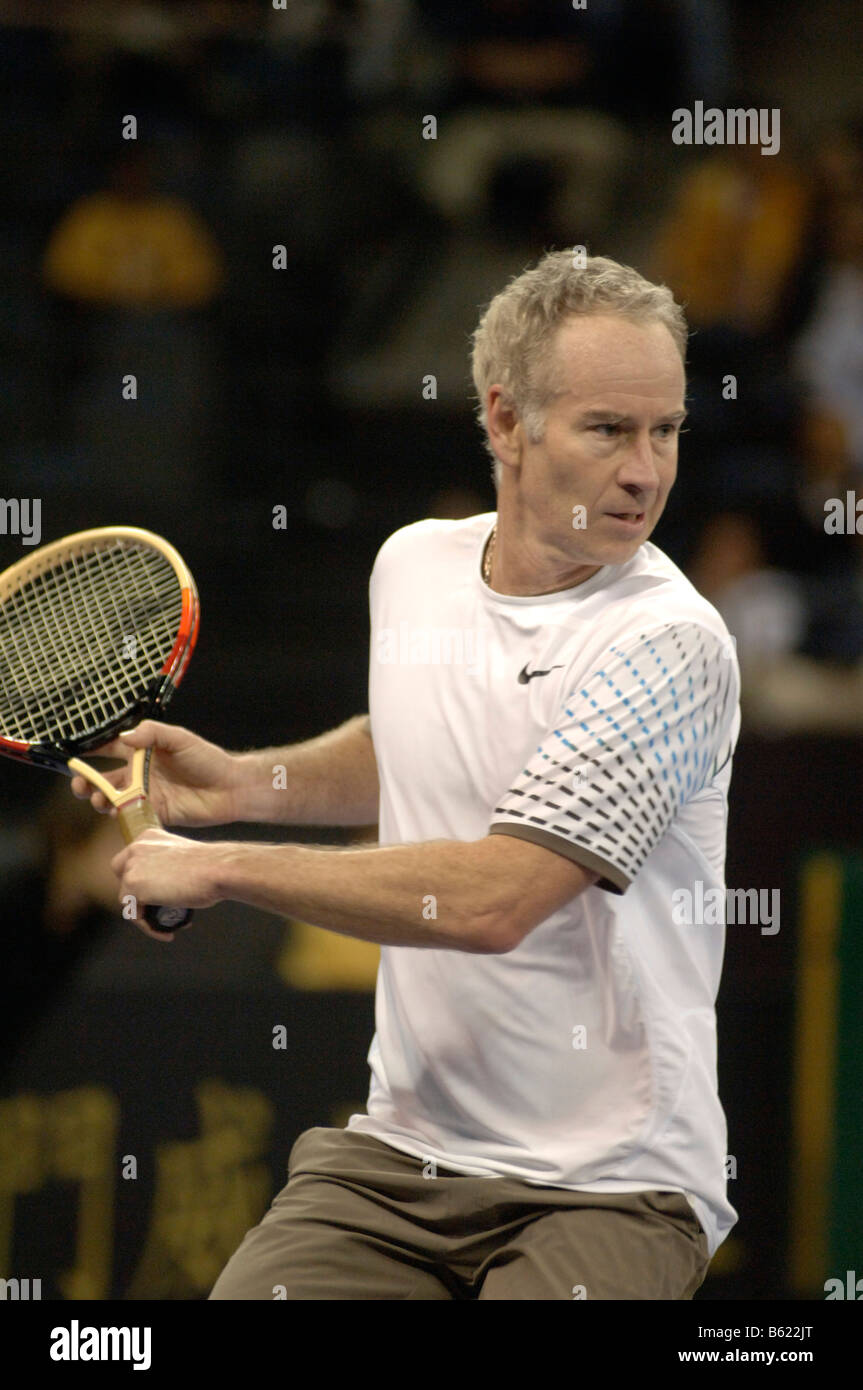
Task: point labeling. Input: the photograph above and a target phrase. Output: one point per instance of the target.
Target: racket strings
(82, 642)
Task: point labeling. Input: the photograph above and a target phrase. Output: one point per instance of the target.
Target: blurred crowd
(238, 240)
(319, 198)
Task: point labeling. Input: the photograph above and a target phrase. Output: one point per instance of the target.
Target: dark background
(302, 387)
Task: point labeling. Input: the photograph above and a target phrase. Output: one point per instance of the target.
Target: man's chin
(611, 546)
(618, 551)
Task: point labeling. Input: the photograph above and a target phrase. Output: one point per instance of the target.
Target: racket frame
(135, 812)
(58, 756)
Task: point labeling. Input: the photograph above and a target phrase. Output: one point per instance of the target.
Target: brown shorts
(359, 1220)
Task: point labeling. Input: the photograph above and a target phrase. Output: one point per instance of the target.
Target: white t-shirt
(598, 722)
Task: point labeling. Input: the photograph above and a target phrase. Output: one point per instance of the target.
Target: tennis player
(553, 710)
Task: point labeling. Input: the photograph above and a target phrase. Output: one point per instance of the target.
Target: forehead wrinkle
(596, 392)
(603, 415)
(581, 350)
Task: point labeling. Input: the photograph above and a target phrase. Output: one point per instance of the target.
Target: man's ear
(505, 430)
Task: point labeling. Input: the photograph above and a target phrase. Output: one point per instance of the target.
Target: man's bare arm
(328, 780)
(480, 896)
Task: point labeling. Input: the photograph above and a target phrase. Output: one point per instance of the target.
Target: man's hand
(192, 782)
(328, 780)
(166, 870)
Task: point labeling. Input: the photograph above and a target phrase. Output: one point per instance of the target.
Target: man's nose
(640, 467)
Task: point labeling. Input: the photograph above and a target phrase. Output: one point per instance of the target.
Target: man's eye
(611, 429)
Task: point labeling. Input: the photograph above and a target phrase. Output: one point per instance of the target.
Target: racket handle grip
(133, 820)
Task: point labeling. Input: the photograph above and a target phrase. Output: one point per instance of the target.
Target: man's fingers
(152, 734)
(100, 803)
(84, 792)
(148, 734)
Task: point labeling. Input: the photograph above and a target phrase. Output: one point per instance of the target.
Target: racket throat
(135, 813)
(135, 816)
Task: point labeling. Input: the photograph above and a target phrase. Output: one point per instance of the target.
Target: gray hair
(512, 344)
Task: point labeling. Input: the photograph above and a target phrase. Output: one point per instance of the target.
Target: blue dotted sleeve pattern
(647, 730)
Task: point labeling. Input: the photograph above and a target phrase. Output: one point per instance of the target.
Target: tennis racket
(96, 632)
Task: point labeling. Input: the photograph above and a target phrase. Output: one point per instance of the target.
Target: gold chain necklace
(489, 552)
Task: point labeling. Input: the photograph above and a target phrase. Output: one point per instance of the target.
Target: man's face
(610, 441)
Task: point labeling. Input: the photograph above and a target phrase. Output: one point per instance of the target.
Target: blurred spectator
(824, 469)
(730, 247)
(732, 239)
(763, 607)
(829, 565)
(828, 355)
(129, 248)
(131, 274)
(799, 637)
(835, 162)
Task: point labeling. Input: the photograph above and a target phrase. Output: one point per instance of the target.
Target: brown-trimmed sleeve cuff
(611, 878)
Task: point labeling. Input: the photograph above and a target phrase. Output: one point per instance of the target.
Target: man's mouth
(635, 518)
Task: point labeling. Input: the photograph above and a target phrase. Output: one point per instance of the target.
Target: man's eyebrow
(614, 417)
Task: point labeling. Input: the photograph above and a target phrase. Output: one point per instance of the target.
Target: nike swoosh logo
(524, 675)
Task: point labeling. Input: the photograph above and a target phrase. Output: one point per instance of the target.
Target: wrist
(244, 777)
(222, 869)
(241, 872)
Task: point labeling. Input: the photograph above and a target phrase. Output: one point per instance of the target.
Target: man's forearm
(329, 780)
(399, 895)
